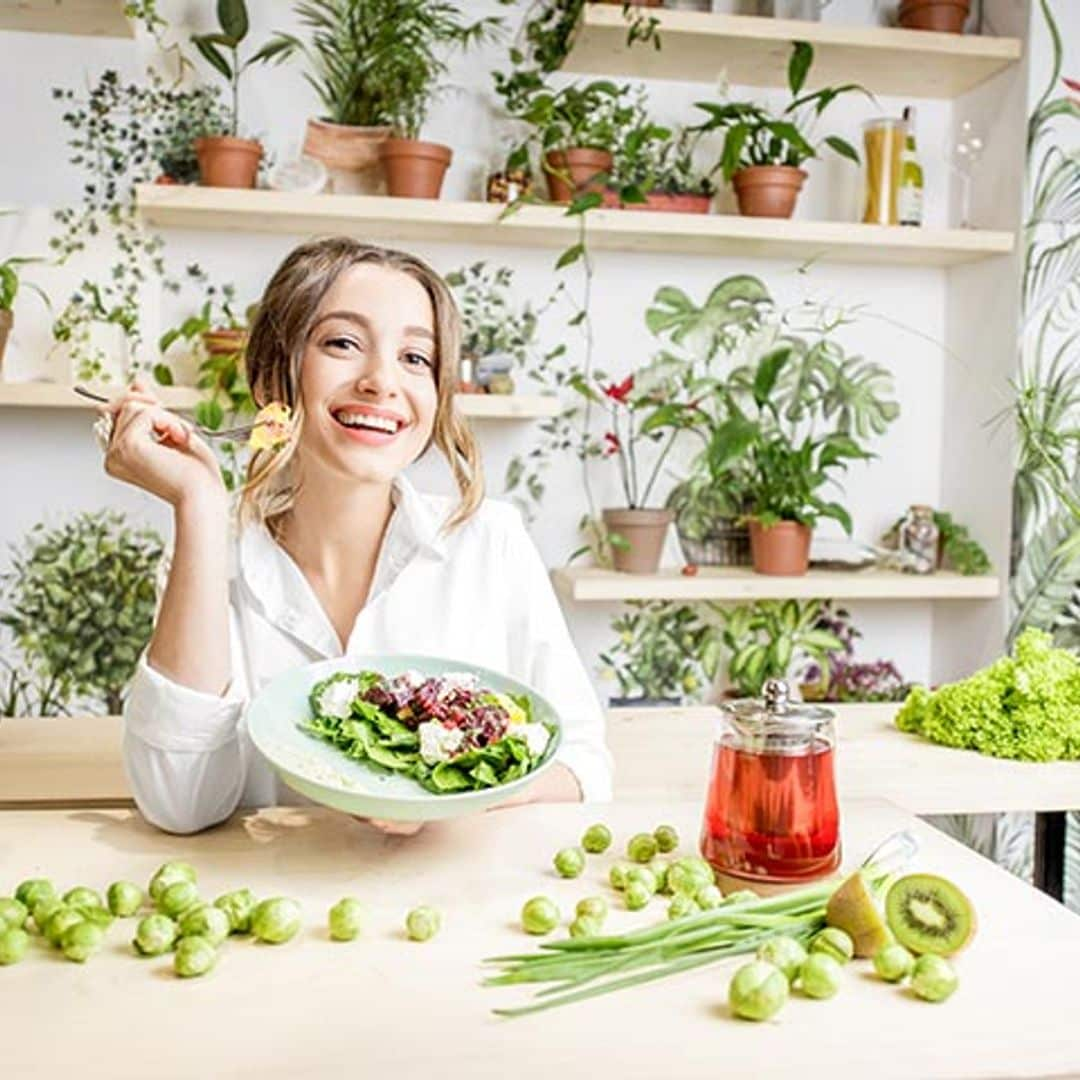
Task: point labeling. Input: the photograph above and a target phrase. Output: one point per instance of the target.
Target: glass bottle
(919, 540)
(771, 813)
(883, 141)
(909, 200)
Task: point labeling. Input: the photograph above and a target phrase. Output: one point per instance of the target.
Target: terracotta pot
(414, 169)
(581, 164)
(944, 16)
(7, 319)
(225, 161)
(644, 531)
(768, 190)
(224, 342)
(350, 154)
(663, 202)
(782, 549)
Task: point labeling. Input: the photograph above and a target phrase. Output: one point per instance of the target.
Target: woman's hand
(155, 450)
(393, 828)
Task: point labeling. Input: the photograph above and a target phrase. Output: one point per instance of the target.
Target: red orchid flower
(1072, 84)
(611, 444)
(620, 391)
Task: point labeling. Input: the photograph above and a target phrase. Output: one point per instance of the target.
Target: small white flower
(337, 698)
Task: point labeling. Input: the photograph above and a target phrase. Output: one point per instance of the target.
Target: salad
(447, 732)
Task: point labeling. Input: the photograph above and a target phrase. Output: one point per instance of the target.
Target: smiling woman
(335, 553)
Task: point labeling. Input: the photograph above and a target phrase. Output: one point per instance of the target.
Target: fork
(228, 433)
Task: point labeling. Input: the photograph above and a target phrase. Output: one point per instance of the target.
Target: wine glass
(965, 152)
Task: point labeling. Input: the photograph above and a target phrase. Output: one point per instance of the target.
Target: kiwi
(929, 914)
(852, 909)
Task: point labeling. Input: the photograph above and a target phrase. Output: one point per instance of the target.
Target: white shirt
(479, 594)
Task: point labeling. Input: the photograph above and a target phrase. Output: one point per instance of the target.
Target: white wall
(49, 463)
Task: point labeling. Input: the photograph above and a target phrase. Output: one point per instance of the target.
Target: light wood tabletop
(385, 1006)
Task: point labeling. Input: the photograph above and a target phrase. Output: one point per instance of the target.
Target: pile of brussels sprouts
(172, 917)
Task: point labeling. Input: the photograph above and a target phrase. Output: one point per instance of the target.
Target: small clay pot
(663, 202)
(414, 169)
(350, 154)
(581, 164)
(943, 16)
(644, 532)
(224, 342)
(782, 549)
(225, 161)
(768, 190)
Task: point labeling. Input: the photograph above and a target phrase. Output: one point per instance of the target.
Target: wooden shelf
(410, 220)
(740, 583)
(754, 51)
(89, 18)
(476, 406)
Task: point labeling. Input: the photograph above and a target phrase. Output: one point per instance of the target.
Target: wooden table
(386, 1007)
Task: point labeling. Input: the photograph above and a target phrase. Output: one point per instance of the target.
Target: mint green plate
(325, 775)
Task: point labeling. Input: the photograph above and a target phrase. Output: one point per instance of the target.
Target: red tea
(772, 817)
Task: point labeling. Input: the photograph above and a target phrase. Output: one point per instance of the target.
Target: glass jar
(771, 813)
(919, 540)
(883, 142)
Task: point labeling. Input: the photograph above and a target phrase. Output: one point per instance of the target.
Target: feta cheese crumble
(438, 743)
(337, 698)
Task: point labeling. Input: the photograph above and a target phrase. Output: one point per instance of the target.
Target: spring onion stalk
(576, 969)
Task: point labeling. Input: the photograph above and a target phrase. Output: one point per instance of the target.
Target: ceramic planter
(944, 16)
(414, 169)
(782, 549)
(663, 202)
(350, 154)
(225, 161)
(768, 190)
(581, 164)
(644, 532)
(727, 544)
(7, 320)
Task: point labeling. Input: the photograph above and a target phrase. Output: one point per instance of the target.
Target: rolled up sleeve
(549, 662)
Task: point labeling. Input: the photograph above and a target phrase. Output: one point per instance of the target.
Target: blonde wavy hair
(275, 349)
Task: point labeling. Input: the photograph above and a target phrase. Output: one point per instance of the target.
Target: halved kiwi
(929, 914)
(852, 909)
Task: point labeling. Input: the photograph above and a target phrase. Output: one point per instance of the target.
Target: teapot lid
(774, 705)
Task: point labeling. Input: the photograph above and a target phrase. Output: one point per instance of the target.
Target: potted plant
(9, 289)
(763, 151)
(654, 169)
(773, 639)
(225, 160)
(79, 601)
(942, 16)
(97, 332)
(662, 652)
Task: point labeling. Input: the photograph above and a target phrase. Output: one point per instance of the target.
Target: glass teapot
(771, 813)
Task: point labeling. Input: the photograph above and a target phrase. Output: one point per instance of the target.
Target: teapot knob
(777, 695)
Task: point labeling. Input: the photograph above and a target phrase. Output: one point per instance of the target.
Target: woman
(336, 554)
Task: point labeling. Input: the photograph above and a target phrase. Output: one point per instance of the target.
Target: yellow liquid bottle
(909, 199)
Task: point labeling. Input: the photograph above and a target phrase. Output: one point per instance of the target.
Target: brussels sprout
(689, 875)
(194, 956)
(820, 975)
(539, 915)
(594, 907)
(176, 898)
(833, 942)
(423, 923)
(167, 874)
(617, 875)
(644, 876)
(569, 862)
(58, 922)
(81, 896)
(99, 916)
(597, 839)
(933, 978)
(238, 905)
(585, 926)
(125, 899)
(45, 909)
(681, 905)
(80, 941)
(660, 868)
(13, 945)
(346, 919)
(740, 896)
(32, 890)
(667, 838)
(12, 912)
(785, 953)
(154, 935)
(708, 897)
(757, 991)
(276, 921)
(893, 962)
(205, 921)
(637, 895)
(642, 847)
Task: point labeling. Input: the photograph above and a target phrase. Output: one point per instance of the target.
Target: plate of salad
(403, 738)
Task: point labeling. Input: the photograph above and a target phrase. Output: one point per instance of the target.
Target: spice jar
(771, 813)
(883, 141)
(919, 540)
